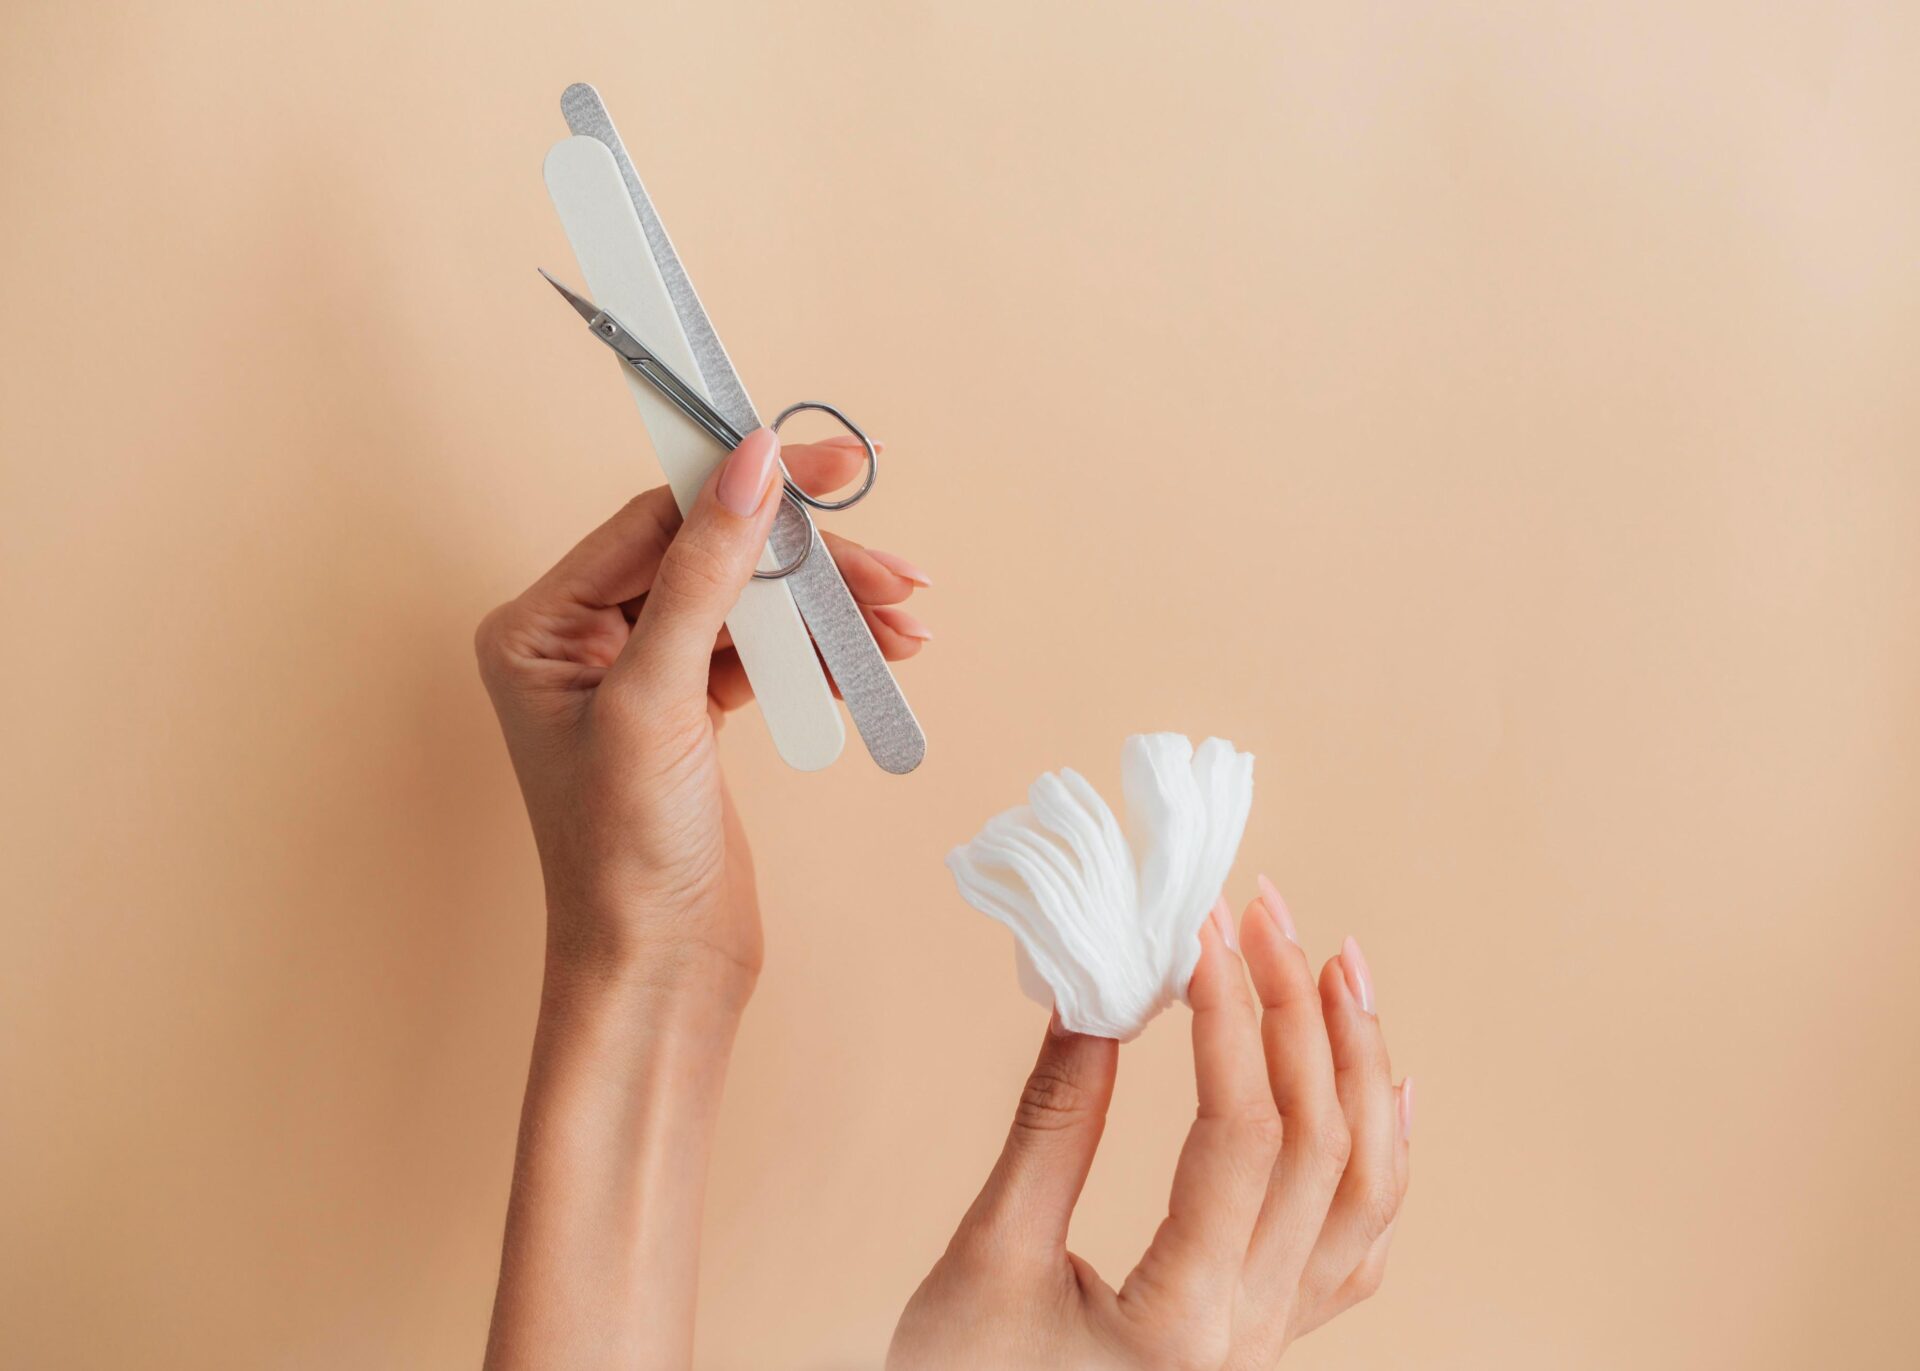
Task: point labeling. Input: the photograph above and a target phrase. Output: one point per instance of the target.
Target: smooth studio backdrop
(1499, 418)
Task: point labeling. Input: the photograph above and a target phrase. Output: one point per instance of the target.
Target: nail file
(765, 625)
(886, 722)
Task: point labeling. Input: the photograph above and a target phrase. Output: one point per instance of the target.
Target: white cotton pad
(1106, 920)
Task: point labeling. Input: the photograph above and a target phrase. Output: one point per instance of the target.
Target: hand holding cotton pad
(1106, 922)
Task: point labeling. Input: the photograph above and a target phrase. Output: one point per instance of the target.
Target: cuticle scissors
(690, 402)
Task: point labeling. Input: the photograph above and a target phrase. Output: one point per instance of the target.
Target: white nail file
(621, 276)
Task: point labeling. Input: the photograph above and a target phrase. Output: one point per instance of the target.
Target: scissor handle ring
(780, 573)
(873, 457)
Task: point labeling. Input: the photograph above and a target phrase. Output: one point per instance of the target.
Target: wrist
(657, 957)
(629, 1041)
(660, 982)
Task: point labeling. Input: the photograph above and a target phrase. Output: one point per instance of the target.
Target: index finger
(1221, 1178)
(617, 561)
(822, 467)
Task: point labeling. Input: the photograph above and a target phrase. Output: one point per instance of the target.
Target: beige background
(1500, 418)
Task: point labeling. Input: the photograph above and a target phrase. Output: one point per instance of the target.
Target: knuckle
(1177, 1321)
(1366, 1282)
(1200, 1345)
(663, 734)
(1376, 1202)
(1051, 1101)
(490, 637)
(693, 572)
(1328, 1141)
(1259, 1129)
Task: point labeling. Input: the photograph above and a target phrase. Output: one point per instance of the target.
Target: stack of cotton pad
(1107, 921)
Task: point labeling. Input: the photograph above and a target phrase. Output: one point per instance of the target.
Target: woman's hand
(611, 676)
(1283, 1200)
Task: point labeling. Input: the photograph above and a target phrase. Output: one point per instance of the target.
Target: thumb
(707, 565)
(1028, 1200)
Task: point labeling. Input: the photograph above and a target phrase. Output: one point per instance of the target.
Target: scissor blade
(583, 306)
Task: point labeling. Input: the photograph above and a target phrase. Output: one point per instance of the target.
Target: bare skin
(612, 676)
(1282, 1204)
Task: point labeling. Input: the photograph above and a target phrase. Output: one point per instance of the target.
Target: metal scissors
(690, 402)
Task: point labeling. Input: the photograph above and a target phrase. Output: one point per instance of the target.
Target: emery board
(880, 711)
(766, 627)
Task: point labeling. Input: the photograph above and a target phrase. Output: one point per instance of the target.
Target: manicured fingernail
(849, 443)
(748, 471)
(902, 623)
(1406, 1109)
(1359, 978)
(1056, 1029)
(1278, 908)
(900, 566)
(1223, 917)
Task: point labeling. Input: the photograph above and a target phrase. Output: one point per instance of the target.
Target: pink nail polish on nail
(1406, 1109)
(1359, 978)
(1223, 917)
(902, 623)
(900, 566)
(1278, 908)
(748, 471)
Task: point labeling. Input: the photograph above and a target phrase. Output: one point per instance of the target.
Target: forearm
(603, 1227)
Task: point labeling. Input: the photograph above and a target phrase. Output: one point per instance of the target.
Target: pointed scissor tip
(585, 307)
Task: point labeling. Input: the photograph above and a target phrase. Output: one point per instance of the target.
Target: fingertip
(1353, 1029)
(1204, 986)
(1359, 976)
(1278, 964)
(1260, 937)
(850, 442)
(747, 474)
(1332, 982)
(901, 567)
(902, 623)
(869, 576)
(1219, 985)
(1062, 1039)
(1222, 917)
(821, 468)
(1336, 994)
(894, 646)
(1276, 909)
(824, 466)
(1102, 1056)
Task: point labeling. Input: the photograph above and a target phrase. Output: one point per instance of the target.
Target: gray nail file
(880, 712)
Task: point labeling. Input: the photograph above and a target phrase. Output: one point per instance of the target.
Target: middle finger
(1315, 1142)
(1370, 1190)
